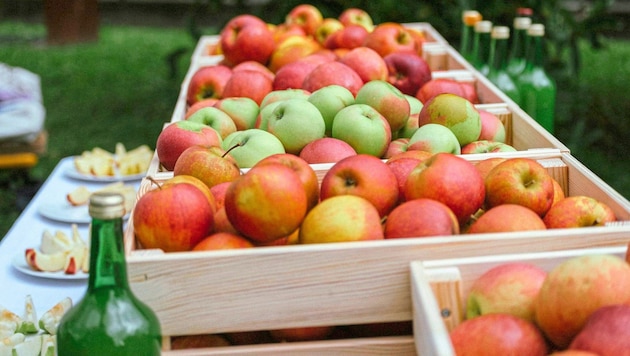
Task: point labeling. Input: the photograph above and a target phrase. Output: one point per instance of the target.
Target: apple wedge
(45, 262)
(9, 323)
(79, 196)
(31, 346)
(29, 318)
(51, 318)
(74, 259)
(49, 345)
(58, 242)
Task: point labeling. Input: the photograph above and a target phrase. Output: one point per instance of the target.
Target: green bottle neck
(519, 44)
(535, 54)
(481, 48)
(108, 268)
(466, 47)
(498, 54)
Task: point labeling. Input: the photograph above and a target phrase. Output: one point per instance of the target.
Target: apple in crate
(390, 37)
(509, 287)
(296, 123)
(407, 71)
(497, 334)
(356, 16)
(246, 38)
(363, 128)
(454, 112)
(326, 150)
(267, 203)
(212, 165)
(348, 38)
(329, 100)
(308, 333)
(507, 218)
(306, 16)
(578, 211)
(492, 128)
(342, 218)
(574, 289)
(387, 100)
(485, 146)
(222, 241)
(401, 165)
(255, 66)
(207, 82)
(434, 138)
(368, 64)
(284, 94)
(178, 136)
(449, 179)
(605, 331)
(215, 118)
(204, 103)
(203, 187)
(291, 50)
(484, 166)
(437, 86)
(292, 75)
(420, 218)
(328, 26)
(333, 73)
(249, 146)
(521, 181)
(242, 110)
(173, 217)
(365, 176)
(248, 83)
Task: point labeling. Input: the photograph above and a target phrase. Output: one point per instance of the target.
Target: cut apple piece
(31, 346)
(9, 323)
(45, 262)
(13, 340)
(79, 196)
(58, 242)
(74, 259)
(50, 319)
(49, 345)
(29, 318)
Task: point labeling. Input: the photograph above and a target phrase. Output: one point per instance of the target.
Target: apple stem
(150, 178)
(230, 149)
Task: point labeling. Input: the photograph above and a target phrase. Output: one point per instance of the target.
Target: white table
(27, 231)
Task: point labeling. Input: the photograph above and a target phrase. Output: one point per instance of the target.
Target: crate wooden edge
(429, 306)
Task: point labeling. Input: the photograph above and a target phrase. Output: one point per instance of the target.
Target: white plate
(64, 212)
(73, 173)
(19, 262)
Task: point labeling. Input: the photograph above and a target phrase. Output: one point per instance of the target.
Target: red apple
(223, 224)
(507, 218)
(368, 64)
(292, 49)
(306, 16)
(291, 75)
(204, 103)
(485, 165)
(365, 176)
(212, 165)
(333, 73)
(178, 136)
(387, 100)
(255, 66)
(356, 16)
(246, 38)
(328, 26)
(437, 86)
(577, 287)
(521, 181)
(578, 211)
(421, 218)
(509, 287)
(207, 82)
(302, 333)
(267, 202)
(401, 168)
(390, 37)
(449, 179)
(396, 146)
(283, 31)
(218, 192)
(492, 128)
(248, 83)
(222, 241)
(605, 331)
(456, 113)
(407, 71)
(485, 146)
(326, 150)
(349, 37)
(558, 192)
(497, 334)
(173, 218)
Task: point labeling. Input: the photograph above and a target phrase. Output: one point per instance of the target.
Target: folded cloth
(22, 112)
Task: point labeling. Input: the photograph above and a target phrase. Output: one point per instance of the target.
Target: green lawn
(120, 89)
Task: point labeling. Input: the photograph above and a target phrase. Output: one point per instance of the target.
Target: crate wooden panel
(440, 287)
(334, 284)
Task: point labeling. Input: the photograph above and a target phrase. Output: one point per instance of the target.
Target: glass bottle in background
(516, 58)
(481, 46)
(537, 88)
(109, 320)
(469, 19)
(498, 74)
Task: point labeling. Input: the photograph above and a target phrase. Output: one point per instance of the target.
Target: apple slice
(79, 196)
(49, 345)
(45, 262)
(29, 318)
(74, 259)
(9, 323)
(31, 346)
(12, 340)
(54, 243)
(50, 319)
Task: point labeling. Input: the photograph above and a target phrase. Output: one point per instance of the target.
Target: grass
(122, 89)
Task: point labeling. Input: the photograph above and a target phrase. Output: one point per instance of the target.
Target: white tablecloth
(27, 231)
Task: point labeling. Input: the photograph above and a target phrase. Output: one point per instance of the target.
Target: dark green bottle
(498, 74)
(516, 58)
(481, 46)
(538, 90)
(469, 19)
(109, 320)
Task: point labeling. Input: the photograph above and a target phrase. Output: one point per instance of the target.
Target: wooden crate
(440, 287)
(334, 284)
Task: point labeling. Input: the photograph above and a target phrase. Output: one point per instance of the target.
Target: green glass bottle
(538, 90)
(498, 74)
(481, 46)
(109, 320)
(469, 19)
(516, 58)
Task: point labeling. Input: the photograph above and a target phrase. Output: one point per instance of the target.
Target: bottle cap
(471, 17)
(536, 29)
(106, 205)
(483, 26)
(522, 23)
(501, 32)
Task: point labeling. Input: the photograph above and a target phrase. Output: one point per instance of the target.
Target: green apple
(329, 100)
(434, 138)
(454, 112)
(387, 100)
(242, 110)
(249, 146)
(284, 94)
(215, 118)
(363, 128)
(264, 114)
(486, 146)
(415, 105)
(295, 122)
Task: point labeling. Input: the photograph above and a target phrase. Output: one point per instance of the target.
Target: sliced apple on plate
(48, 262)
(58, 242)
(51, 318)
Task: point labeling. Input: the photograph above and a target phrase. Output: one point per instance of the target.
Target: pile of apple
(580, 307)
